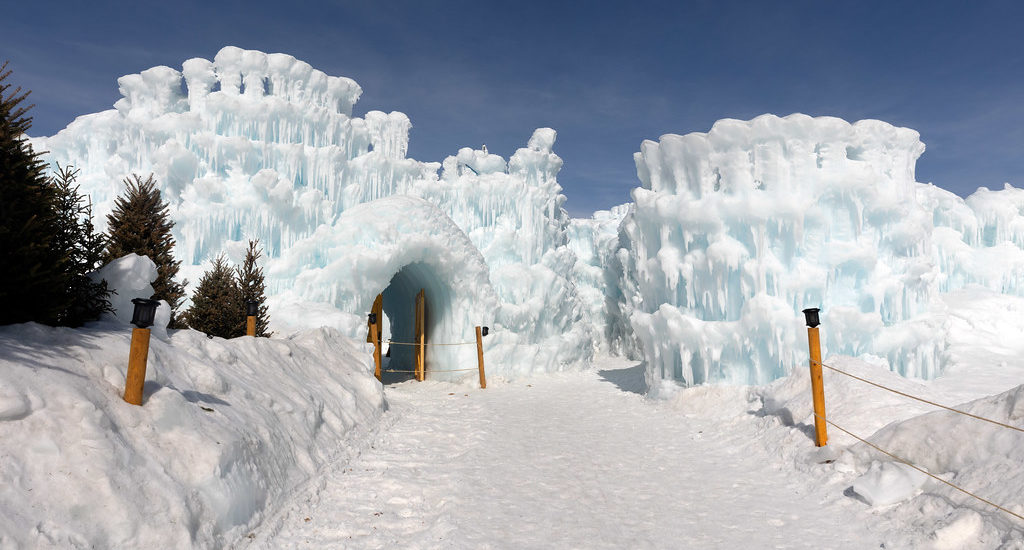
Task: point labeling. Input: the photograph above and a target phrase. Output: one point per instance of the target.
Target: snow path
(561, 461)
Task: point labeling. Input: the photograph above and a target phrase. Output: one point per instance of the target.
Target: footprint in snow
(14, 406)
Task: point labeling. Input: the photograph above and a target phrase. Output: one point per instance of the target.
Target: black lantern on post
(817, 382)
(373, 319)
(252, 309)
(145, 312)
(483, 331)
(142, 317)
(811, 315)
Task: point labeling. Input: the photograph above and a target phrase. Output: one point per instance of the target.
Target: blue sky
(605, 75)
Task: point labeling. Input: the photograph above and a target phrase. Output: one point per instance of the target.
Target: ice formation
(598, 273)
(703, 275)
(255, 145)
(733, 232)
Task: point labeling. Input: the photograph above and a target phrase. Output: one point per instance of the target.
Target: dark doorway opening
(407, 320)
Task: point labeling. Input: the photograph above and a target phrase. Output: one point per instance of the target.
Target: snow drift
(228, 429)
(916, 510)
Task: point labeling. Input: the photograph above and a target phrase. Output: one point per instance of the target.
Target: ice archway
(395, 245)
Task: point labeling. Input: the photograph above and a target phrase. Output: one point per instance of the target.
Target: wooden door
(420, 349)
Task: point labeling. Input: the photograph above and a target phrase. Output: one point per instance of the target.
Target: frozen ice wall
(730, 235)
(254, 145)
(249, 144)
(733, 232)
(512, 211)
(595, 242)
(979, 240)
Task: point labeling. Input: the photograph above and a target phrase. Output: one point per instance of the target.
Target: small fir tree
(83, 248)
(140, 223)
(217, 306)
(252, 286)
(33, 278)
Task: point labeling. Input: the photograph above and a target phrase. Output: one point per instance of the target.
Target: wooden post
(817, 388)
(480, 358)
(376, 349)
(137, 366)
(421, 347)
(378, 311)
(250, 325)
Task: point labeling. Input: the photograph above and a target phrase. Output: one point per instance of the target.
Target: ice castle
(702, 276)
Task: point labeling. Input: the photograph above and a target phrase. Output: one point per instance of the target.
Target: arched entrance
(396, 358)
(410, 311)
(394, 247)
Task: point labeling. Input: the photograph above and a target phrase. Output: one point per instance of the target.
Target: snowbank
(916, 510)
(228, 430)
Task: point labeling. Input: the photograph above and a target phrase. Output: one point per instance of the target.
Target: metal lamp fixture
(373, 319)
(144, 313)
(484, 331)
(252, 308)
(811, 315)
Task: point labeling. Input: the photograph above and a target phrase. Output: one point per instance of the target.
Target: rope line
(922, 470)
(430, 343)
(997, 423)
(431, 371)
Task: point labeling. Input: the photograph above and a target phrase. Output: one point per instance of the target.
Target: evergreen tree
(252, 286)
(217, 306)
(140, 223)
(82, 247)
(32, 279)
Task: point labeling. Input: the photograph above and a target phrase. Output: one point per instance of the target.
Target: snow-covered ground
(240, 441)
(576, 460)
(581, 460)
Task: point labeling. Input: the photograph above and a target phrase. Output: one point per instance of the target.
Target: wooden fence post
(137, 366)
(480, 357)
(420, 331)
(376, 349)
(817, 382)
(252, 309)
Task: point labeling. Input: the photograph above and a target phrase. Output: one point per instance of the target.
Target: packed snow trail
(562, 461)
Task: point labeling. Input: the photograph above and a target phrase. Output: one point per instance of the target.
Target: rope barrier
(430, 371)
(392, 342)
(997, 423)
(922, 470)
